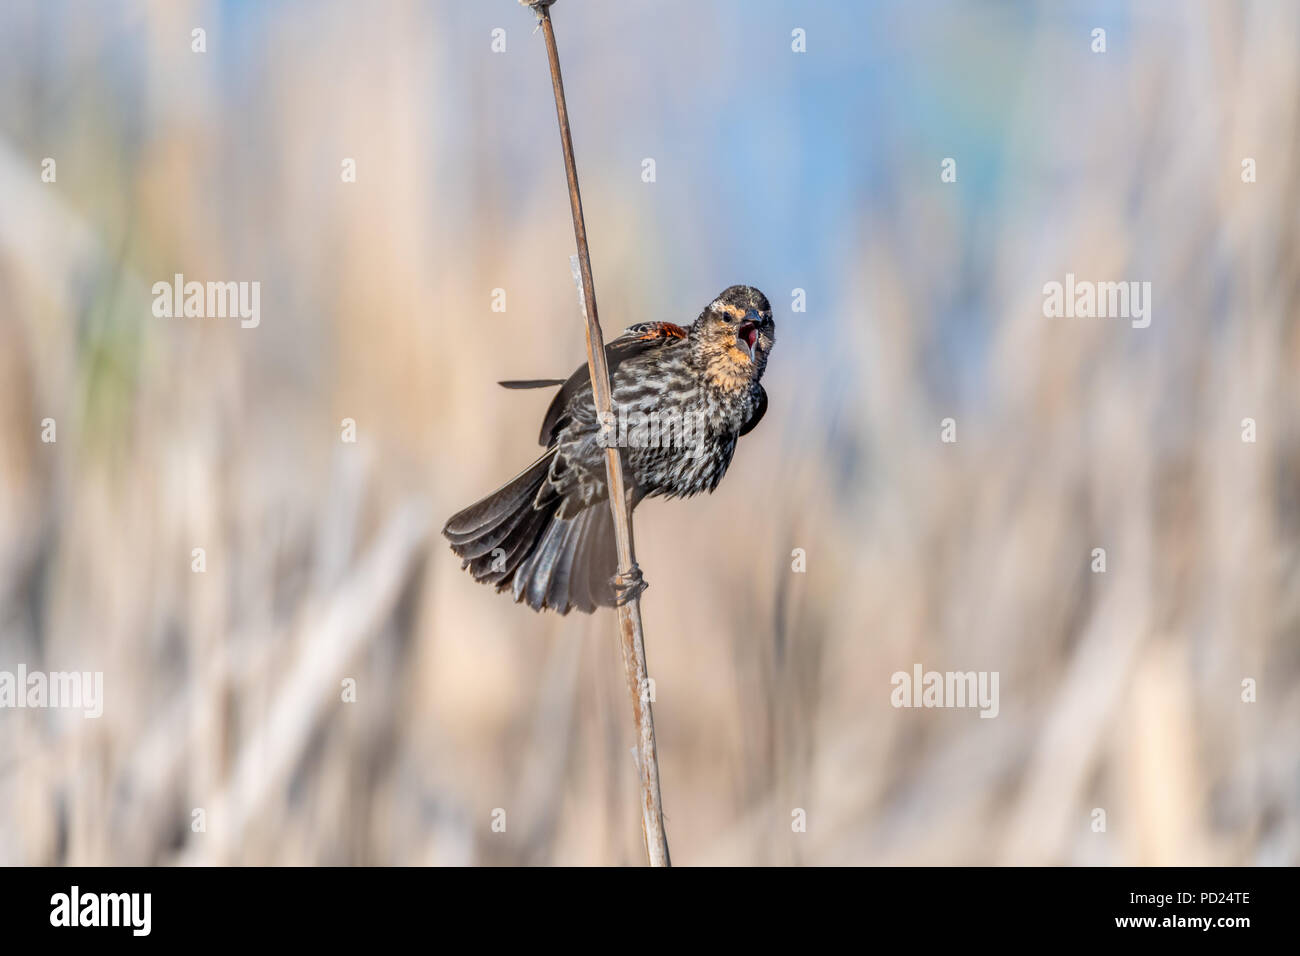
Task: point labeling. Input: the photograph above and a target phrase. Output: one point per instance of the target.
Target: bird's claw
(628, 587)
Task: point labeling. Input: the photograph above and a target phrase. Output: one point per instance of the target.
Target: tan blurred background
(816, 171)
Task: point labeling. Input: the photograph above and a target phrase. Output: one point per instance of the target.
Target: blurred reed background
(816, 171)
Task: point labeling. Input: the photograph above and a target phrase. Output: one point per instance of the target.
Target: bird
(681, 399)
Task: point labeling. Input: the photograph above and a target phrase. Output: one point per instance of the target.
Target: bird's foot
(627, 587)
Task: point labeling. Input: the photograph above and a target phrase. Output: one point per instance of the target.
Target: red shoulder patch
(662, 330)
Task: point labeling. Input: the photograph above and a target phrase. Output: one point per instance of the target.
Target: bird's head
(733, 337)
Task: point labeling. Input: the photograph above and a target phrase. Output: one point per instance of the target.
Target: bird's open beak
(747, 338)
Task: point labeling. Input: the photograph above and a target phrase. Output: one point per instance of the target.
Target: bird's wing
(635, 340)
(759, 411)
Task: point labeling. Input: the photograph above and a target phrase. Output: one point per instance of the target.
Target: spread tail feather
(516, 540)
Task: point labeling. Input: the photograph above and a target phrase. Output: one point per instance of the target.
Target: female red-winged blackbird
(681, 398)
